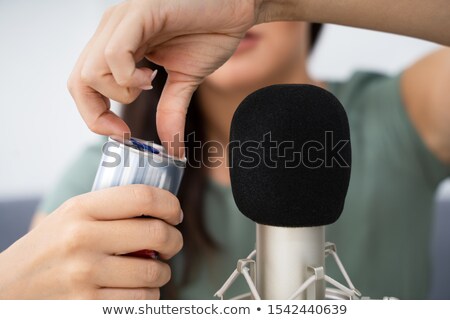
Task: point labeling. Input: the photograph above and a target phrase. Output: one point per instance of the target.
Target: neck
(218, 106)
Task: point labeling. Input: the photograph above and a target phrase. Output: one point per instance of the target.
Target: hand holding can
(79, 251)
(134, 161)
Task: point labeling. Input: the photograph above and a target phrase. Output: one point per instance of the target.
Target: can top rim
(150, 148)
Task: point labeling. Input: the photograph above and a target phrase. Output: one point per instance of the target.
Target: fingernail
(153, 254)
(153, 75)
(181, 216)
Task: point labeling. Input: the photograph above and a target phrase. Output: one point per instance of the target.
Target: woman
(398, 162)
(77, 251)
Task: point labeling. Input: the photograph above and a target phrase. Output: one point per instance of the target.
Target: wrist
(280, 10)
(3, 291)
(9, 284)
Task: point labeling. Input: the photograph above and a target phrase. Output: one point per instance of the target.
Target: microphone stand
(247, 268)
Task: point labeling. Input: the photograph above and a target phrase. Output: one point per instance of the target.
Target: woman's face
(269, 53)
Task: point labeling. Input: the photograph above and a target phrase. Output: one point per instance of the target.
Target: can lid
(148, 147)
(143, 146)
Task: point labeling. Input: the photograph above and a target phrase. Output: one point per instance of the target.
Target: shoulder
(380, 123)
(365, 87)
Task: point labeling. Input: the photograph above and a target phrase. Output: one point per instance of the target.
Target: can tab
(143, 147)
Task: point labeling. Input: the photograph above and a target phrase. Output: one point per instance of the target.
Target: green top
(383, 236)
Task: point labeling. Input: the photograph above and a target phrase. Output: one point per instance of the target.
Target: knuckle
(128, 95)
(87, 75)
(68, 206)
(81, 272)
(179, 242)
(168, 274)
(71, 85)
(75, 236)
(152, 272)
(144, 195)
(123, 82)
(108, 12)
(89, 295)
(93, 126)
(174, 205)
(139, 294)
(154, 294)
(111, 52)
(158, 230)
(72, 205)
(92, 72)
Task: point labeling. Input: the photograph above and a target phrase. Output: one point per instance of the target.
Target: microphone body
(290, 174)
(283, 260)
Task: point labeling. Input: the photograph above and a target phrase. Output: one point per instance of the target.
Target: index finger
(120, 52)
(92, 105)
(130, 201)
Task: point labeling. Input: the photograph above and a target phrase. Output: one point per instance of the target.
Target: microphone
(290, 163)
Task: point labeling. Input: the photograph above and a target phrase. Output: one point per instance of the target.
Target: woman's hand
(78, 251)
(191, 39)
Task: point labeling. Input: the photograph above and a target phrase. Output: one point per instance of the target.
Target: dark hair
(314, 33)
(140, 116)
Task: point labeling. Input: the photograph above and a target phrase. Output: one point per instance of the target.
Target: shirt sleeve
(77, 179)
(378, 118)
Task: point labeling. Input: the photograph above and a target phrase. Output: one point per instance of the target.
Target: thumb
(171, 113)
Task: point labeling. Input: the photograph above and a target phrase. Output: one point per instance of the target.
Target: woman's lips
(249, 41)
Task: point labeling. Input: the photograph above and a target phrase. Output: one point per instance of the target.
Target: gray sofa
(15, 217)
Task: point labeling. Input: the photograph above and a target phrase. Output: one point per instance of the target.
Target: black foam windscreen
(290, 156)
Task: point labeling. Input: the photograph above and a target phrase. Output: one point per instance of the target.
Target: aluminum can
(135, 161)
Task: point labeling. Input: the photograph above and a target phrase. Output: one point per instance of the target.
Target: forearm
(427, 100)
(9, 287)
(428, 20)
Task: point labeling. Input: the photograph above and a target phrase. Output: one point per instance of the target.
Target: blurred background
(42, 131)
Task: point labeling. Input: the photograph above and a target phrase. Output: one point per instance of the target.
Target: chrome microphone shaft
(279, 274)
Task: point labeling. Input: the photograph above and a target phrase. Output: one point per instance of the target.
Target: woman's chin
(232, 86)
(235, 81)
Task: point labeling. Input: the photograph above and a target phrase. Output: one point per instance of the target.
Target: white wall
(39, 125)
(40, 40)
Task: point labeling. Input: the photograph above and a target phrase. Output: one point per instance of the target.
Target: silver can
(135, 161)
